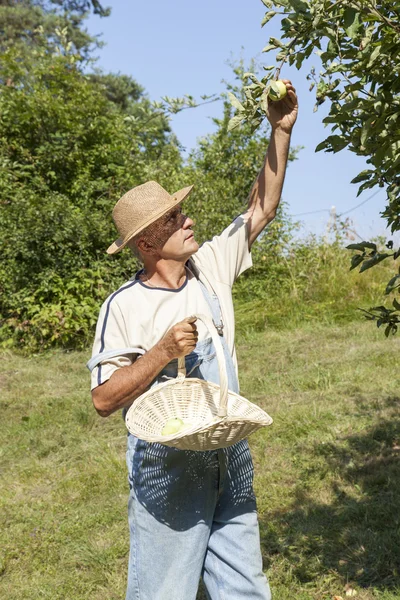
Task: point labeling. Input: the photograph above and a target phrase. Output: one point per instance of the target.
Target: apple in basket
(173, 425)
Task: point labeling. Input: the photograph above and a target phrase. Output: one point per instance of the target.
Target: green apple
(173, 425)
(277, 90)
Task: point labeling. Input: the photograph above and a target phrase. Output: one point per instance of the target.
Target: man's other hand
(181, 339)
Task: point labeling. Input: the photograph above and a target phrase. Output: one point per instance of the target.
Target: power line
(314, 212)
(358, 205)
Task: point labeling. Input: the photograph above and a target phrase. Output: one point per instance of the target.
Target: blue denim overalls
(193, 513)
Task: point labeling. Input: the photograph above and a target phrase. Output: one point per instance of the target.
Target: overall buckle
(220, 329)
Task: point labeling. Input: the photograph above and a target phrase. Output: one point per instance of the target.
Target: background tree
(23, 23)
(72, 144)
(224, 165)
(67, 153)
(358, 44)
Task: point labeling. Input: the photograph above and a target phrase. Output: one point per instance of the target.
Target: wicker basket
(214, 416)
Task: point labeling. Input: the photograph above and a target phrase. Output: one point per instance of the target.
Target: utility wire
(358, 205)
(313, 212)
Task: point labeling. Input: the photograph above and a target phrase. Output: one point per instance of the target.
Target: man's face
(171, 235)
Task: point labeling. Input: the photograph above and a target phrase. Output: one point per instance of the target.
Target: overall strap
(210, 296)
(214, 304)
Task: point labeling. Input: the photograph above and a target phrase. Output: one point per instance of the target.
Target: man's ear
(145, 247)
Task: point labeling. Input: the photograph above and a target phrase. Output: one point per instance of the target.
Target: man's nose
(188, 222)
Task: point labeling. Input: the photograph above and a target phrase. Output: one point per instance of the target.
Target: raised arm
(266, 192)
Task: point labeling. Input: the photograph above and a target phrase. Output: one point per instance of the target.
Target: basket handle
(223, 379)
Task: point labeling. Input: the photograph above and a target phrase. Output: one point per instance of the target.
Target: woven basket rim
(188, 381)
(187, 431)
(194, 429)
(206, 422)
(177, 381)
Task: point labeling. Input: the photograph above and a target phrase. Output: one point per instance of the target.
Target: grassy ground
(327, 470)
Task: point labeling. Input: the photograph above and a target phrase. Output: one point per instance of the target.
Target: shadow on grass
(357, 533)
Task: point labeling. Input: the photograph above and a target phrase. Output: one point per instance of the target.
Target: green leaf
(336, 143)
(374, 55)
(281, 55)
(264, 102)
(355, 247)
(351, 21)
(391, 284)
(268, 48)
(276, 43)
(368, 315)
(369, 245)
(267, 17)
(235, 122)
(299, 59)
(235, 102)
(372, 262)
(396, 304)
(381, 309)
(366, 130)
(362, 176)
(300, 6)
(253, 78)
(356, 260)
(321, 146)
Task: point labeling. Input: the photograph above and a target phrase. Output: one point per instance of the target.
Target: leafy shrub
(67, 154)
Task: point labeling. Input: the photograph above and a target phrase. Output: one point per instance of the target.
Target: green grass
(327, 470)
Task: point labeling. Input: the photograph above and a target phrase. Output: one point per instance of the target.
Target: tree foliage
(24, 23)
(358, 44)
(71, 144)
(224, 166)
(76, 6)
(67, 154)
(120, 89)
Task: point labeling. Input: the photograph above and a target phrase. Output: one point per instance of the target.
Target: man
(191, 514)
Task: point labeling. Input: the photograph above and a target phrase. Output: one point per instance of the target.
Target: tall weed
(309, 280)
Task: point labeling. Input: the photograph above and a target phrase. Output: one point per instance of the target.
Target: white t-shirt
(137, 315)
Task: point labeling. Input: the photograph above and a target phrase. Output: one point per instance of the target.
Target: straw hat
(140, 207)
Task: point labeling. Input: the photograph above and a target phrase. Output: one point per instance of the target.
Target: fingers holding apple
(280, 104)
(277, 90)
(291, 92)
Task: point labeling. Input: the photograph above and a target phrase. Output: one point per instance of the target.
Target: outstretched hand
(283, 113)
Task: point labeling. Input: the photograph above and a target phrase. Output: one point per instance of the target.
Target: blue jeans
(193, 514)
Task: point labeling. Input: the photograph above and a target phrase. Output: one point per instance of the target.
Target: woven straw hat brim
(176, 199)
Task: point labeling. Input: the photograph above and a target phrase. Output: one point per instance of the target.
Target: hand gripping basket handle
(223, 379)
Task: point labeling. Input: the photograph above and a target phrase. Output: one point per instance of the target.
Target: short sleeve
(227, 255)
(110, 335)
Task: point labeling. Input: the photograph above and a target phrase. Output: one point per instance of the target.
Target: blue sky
(176, 48)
